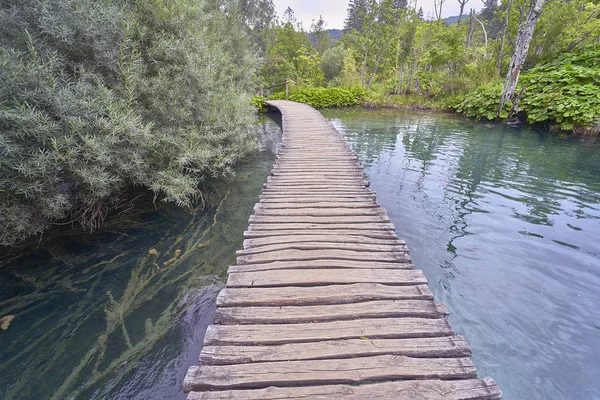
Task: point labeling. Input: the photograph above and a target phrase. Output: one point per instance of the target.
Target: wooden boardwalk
(324, 302)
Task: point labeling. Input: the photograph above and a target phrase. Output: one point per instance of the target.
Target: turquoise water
(98, 316)
(505, 224)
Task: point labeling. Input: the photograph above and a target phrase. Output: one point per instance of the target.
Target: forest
(471, 64)
(102, 99)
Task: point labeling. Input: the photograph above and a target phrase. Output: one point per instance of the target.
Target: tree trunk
(462, 7)
(520, 55)
(501, 54)
(471, 29)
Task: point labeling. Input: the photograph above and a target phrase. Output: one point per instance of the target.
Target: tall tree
(504, 29)
(289, 16)
(437, 7)
(357, 11)
(522, 43)
(319, 35)
(462, 7)
(488, 10)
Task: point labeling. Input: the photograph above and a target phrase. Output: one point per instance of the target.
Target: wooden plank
(321, 232)
(357, 239)
(317, 254)
(377, 328)
(319, 372)
(319, 295)
(316, 245)
(323, 263)
(334, 312)
(314, 277)
(445, 346)
(317, 204)
(374, 226)
(316, 198)
(322, 212)
(467, 389)
(304, 219)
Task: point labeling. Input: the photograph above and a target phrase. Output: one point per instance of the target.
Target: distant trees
(388, 48)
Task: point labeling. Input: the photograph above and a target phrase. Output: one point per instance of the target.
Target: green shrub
(319, 97)
(260, 102)
(98, 97)
(483, 102)
(565, 92)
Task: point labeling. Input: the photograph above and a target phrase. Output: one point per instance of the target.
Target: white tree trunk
(521, 49)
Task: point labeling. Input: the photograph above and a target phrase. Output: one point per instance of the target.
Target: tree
(258, 16)
(462, 7)
(333, 61)
(357, 11)
(289, 16)
(400, 4)
(437, 6)
(489, 9)
(319, 35)
(517, 61)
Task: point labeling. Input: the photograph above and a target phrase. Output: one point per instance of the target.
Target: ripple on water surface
(505, 223)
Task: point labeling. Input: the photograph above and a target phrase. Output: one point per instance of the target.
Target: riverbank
(340, 98)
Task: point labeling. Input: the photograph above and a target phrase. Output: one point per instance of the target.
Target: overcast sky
(334, 11)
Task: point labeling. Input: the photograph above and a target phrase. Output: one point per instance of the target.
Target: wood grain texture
(319, 372)
(329, 312)
(468, 389)
(445, 346)
(320, 295)
(377, 328)
(314, 277)
(306, 246)
(333, 238)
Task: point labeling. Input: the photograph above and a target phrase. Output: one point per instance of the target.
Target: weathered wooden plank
(357, 239)
(251, 315)
(445, 346)
(315, 198)
(322, 253)
(314, 277)
(322, 212)
(377, 328)
(320, 295)
(319, 232)
(318, 372)
(374, 226)
(323, 263)
(316, 245)
(317, 204)
(294, 219)
(466, 389)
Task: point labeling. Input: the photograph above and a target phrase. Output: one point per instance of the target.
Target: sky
(334, 11)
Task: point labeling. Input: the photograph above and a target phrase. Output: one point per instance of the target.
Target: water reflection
(505, 224)
(122, 313)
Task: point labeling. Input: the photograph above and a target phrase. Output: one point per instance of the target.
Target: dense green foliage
(389, 50)
(99, 96)
(319, 97)
(564, 92)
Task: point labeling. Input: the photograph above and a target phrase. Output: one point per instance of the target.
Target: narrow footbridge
(324, 302)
